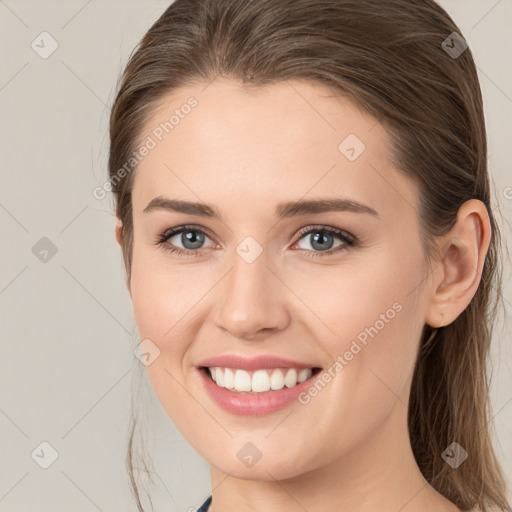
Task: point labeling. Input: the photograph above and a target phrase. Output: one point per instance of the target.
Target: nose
(251, 301)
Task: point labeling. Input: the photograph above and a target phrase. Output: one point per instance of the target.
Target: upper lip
(252, 363)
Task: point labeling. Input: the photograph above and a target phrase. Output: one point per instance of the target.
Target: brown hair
(389, 58)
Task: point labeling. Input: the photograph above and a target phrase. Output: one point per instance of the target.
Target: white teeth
(304, 374)
(220, 377)
(291, 378)
(229, 378)
(242, 380)
(260, 381)
(277, 380)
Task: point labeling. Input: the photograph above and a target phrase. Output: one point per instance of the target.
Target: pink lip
(252, 363)
(253, 404)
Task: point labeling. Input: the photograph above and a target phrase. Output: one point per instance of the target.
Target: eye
(322, 238)
(191, 237)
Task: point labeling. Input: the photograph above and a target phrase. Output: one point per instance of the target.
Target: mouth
(264, 380)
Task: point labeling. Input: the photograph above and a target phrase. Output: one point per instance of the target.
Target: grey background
(66, 330)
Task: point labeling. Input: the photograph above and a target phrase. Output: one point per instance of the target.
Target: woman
(303, 207)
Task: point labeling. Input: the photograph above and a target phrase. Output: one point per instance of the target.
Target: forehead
(225, 144)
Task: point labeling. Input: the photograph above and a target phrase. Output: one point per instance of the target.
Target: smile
(258, 381)
(256, 392)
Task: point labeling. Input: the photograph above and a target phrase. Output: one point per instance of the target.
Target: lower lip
(254, 404)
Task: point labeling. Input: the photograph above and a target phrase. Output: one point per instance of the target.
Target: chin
(266, 469)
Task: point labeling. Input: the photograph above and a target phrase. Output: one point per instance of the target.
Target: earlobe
(459, 267)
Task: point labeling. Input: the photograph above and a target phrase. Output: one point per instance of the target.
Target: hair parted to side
(387, 57)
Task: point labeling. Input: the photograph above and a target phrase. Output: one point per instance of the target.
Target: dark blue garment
(205, 505)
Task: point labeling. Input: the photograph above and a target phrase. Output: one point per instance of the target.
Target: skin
(243, 153)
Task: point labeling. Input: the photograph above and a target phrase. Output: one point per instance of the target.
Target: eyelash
(348, 239)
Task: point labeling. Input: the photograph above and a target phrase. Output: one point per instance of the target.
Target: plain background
(67, 331)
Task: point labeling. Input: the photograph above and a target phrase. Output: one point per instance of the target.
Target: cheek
(368, 299)
(374, 324)
(160, 310)
(162, 296)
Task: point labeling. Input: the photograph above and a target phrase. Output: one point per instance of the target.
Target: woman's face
(270, 280)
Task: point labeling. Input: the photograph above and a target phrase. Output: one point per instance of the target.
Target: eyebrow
(283, 210)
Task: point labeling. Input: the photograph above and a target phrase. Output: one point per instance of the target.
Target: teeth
(229, 378)
(277, 380)
(220, 377)
(242, 380)
(291, 378)
(261, 380)
(304, 374)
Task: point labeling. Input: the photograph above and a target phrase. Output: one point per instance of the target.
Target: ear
(120, 240)
(458, 271)
(119, 232)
